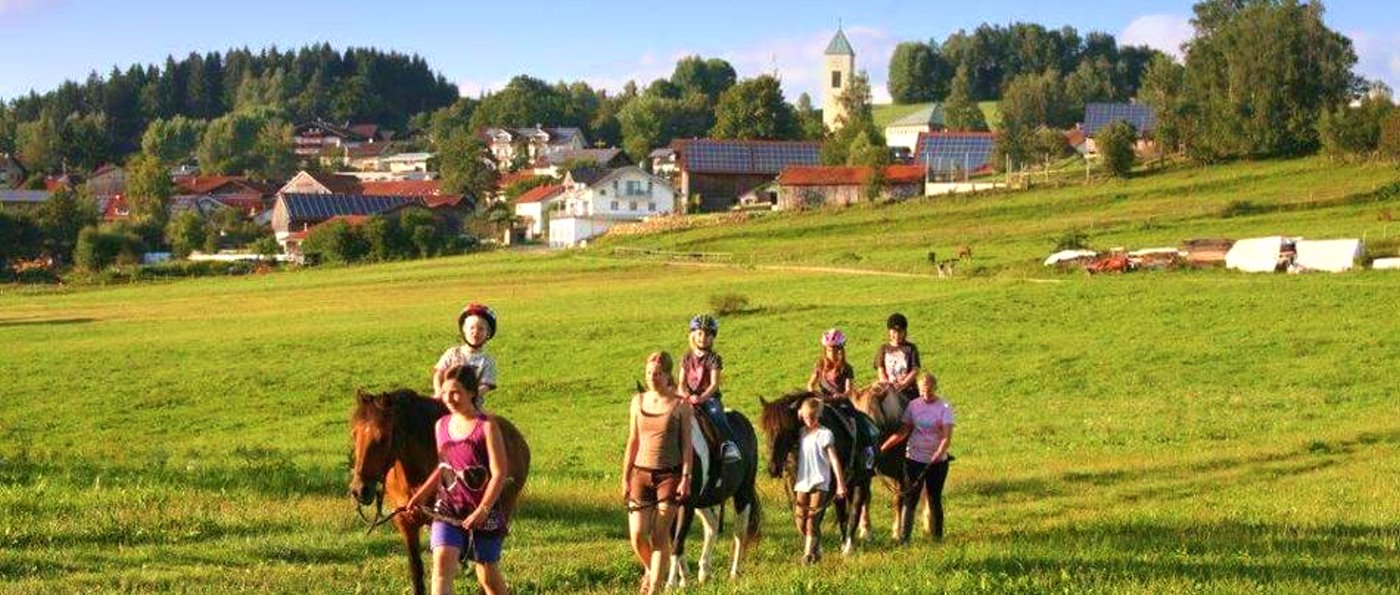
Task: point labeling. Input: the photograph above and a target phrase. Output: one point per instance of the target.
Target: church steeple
(838, 66)
(839, 46)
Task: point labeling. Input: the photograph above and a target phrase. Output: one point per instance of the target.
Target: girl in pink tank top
(467, 483)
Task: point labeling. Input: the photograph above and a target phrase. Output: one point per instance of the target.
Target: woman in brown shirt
(656, 467)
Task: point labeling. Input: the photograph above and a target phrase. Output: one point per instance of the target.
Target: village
(552, 186)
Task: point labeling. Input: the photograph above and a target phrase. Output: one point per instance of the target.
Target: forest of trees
(81, 125)
(994, 55)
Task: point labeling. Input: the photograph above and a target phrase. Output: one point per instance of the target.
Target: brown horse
(885, 406)
(395, 451)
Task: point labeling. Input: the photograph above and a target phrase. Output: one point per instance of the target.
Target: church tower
(838, 65)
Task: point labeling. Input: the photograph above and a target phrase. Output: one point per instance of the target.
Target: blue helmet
(706, 323)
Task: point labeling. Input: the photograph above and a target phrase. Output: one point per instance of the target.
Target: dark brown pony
(783, 428)
(395, 451)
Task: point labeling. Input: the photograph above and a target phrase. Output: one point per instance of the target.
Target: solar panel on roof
(1099, 115)
(747, 157)
(956, 153)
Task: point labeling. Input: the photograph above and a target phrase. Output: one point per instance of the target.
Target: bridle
(395, 452)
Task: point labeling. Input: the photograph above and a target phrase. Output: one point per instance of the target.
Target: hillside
(888, 112)
(1175, 432)
(1011, 232)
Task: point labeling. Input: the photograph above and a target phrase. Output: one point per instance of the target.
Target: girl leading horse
(395, 452)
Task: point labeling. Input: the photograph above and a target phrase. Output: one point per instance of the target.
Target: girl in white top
(816, 464)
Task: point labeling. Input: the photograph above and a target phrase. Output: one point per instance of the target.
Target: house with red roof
(802, 187)
(534, 205)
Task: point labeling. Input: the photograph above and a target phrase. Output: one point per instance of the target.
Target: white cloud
(1378, 57)
(1165, 32)
(798, 60)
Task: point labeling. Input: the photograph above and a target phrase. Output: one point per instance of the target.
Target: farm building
(955, 156)
(718, 172)
(1098, 116)
(802, 187)
(299, 212)
(905, 131)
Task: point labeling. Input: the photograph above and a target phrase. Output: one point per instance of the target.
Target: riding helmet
(484, 312)
(706, 323)
(834, 338)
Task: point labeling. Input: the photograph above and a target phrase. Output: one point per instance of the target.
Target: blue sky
(480, 45)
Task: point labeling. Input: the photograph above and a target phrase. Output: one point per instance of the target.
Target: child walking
(467, 482)
(701, 369)
(477, 325)
(816, 464)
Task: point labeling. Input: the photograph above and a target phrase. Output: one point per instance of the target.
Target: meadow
(1174, 431)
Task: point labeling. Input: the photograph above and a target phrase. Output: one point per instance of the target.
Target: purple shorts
(485, 549)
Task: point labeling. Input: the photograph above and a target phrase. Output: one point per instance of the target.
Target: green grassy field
(888, 112)
(1159, 432)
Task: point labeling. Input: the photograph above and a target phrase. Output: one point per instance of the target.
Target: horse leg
(742, 510)
(859, 502)
(709, 519)
(409, 532)
(844, 521)
(676, 577)
(898, 512)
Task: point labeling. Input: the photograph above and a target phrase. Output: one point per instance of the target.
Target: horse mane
(412, 408)
(779, 414)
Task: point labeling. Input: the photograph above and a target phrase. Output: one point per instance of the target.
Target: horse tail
(752, 532)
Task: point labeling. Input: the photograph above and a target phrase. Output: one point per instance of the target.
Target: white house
(905, 131)
(594, 201)
(508, 144)
(533, 207)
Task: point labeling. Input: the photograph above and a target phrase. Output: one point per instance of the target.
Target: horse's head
(782, 427)
(881, 402)
(372, 428)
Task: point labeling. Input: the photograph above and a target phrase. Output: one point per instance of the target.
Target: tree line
(81, 125)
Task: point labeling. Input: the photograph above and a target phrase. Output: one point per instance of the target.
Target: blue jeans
(715, 409)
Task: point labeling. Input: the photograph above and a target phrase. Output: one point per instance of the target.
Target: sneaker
(729, 452)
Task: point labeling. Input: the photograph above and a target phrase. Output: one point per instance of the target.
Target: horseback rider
(834, 380)
(468, 482)
(477, 325)
(701, 370)
(897, 360)
(656, 468)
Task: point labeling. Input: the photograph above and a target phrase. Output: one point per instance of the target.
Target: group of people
(657, 460)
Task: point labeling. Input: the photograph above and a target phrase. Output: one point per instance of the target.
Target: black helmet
(704, 322)
(897, 321)
(478, 310)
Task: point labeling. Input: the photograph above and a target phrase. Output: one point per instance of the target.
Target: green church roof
(840, 46)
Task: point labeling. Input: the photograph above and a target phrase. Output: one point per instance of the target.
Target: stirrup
(729, 452)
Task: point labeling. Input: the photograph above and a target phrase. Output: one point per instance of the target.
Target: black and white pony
(716, 484)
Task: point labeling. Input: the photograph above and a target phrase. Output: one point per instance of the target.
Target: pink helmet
(834, 338)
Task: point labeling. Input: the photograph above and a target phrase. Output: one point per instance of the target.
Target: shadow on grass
(1321, 556)
(46, 322)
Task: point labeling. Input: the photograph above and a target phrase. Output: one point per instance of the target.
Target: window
(836, 79)
(632, 206)
(614, 205)
(651, 206)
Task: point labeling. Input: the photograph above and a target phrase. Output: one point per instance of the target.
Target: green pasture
(888, 112)
(1195, 432)
(1010, 233)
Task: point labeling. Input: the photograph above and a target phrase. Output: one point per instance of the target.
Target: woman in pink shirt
(928, 426)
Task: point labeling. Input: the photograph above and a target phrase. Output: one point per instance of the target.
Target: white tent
(1255, 255)
(1333, 256)
(1064, 255)
(1386, 263)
